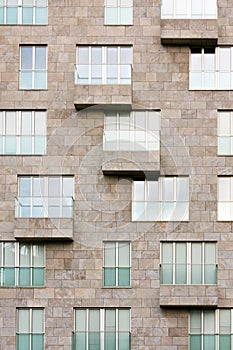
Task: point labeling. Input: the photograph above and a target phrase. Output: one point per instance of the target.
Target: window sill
(116, 287)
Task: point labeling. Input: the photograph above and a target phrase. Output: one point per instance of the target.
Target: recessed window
(225, 133)
(117, 264)
(22, 132)
(33, 68)
(103, 65)
(44, 196)
(166, 199)
(225, 198)
(132, 131)
(21, 264)
(210, 329)
(211, 68)
(189, 9)
(103, 329)
(118, 12)
(24, 12)
(30, 329)
(188, 263)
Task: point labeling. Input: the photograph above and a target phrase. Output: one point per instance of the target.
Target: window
(33, 67)
(30, 329)
(118, 12)
(225, 133)
(22, 132)
(134, 131)
(189, 9)
(45, 196)
(103, 65)
(21, 264)
(166, 199)
(116, 264)
(188, 263)
(102, 329)
(23, 12)
(211, 329)
(225, 198)
(211, 68)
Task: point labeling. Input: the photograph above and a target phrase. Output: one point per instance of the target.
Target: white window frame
(132, 129)
(227, 134)
(216, 72)
(217, 326)
(116, 265)
(20, 12)
(33, 70)
(188, 262)
(102, 324)
(161, 202)
(17, 264)
(225, 206)
(118, 5)
(104, 65)
(44, 196)
(18, 134)
(173, 12)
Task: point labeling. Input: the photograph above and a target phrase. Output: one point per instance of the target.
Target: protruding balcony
(46, 218)
(189, 22)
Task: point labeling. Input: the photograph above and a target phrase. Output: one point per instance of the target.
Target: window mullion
(117, 262)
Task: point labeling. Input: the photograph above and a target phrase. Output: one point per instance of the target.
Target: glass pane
(181, 8)
(96, 55)
(209, 62)
(167, 252)
(83, 55)
(209, 321)
(26, 144)
(224, 123)
(110, 340)
(181, 254)
(209, 80)
(25, 80)
(124, 277)
(40, 80)
(181, 274)
(112, 55)
(225, 211)
(126, 16)
(23, 341)
(12, 15)
(153, 211)
(224, 145)
(54, 186)
(93, 341)
(224, 81)
(41, 15)
(11, 123)
(195, 80)
(24, 276)
(139, 194)
(167, 9)
(26, 57)
(37, 342)
(38, 186)
(94, 320)
(9, 254)
(80, 320)
(26, 123)
(25, 186)
(25, 255)
(196, 274)
(124, 254)
(110, 320)
(196, 8)
(38, 255)
(196, 252)
(40, 145)
(110, 254)
(124, 320)
(182, 191)
(168, 189)
(124, 341)
(38, 276)
(79, 341)
(1, 15)
(224, 321)
(167, 273)
(152, 190)
(125, 55)
(23, 321)
(109, 276)
(210, 253)
(138, 211)
(225, 342)
(224, 193)
(225, 59)
(37, 321)
(210, 274)
(9, 276)
(111, 15)
(27, 13)
(195, 321)
(168, 209)
(196, 62)
(209, 342)
(40, 61)
(67, 183)
(10, 145)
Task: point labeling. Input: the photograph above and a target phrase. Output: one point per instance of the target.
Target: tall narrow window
(24, 12)
(117, 264)
(33, 67)
(225, 198)
(30, 329)
(102, 329)
(103, 65)
(21, 264)
(134, 131)
(188, 263)
(118, 12)
(189, 9)
(211, 329)
(45, 196)
(22, 132)
(166, 199)
(225, 133)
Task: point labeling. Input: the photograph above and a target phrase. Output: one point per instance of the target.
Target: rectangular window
(211, 68)
(225, 133)
(132, 131)
(225, 198)
(103, 65)
(30, 329)
(117, 264)
(102, 329)
(44, 196)
(188, 263)
(189, 9)
(21, 264)
(33, 67)
(22, 132)
(211, 329)
(166, 199)
(26, 12)
(118, 12)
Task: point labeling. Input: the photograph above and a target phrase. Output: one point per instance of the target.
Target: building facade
(116, 149)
